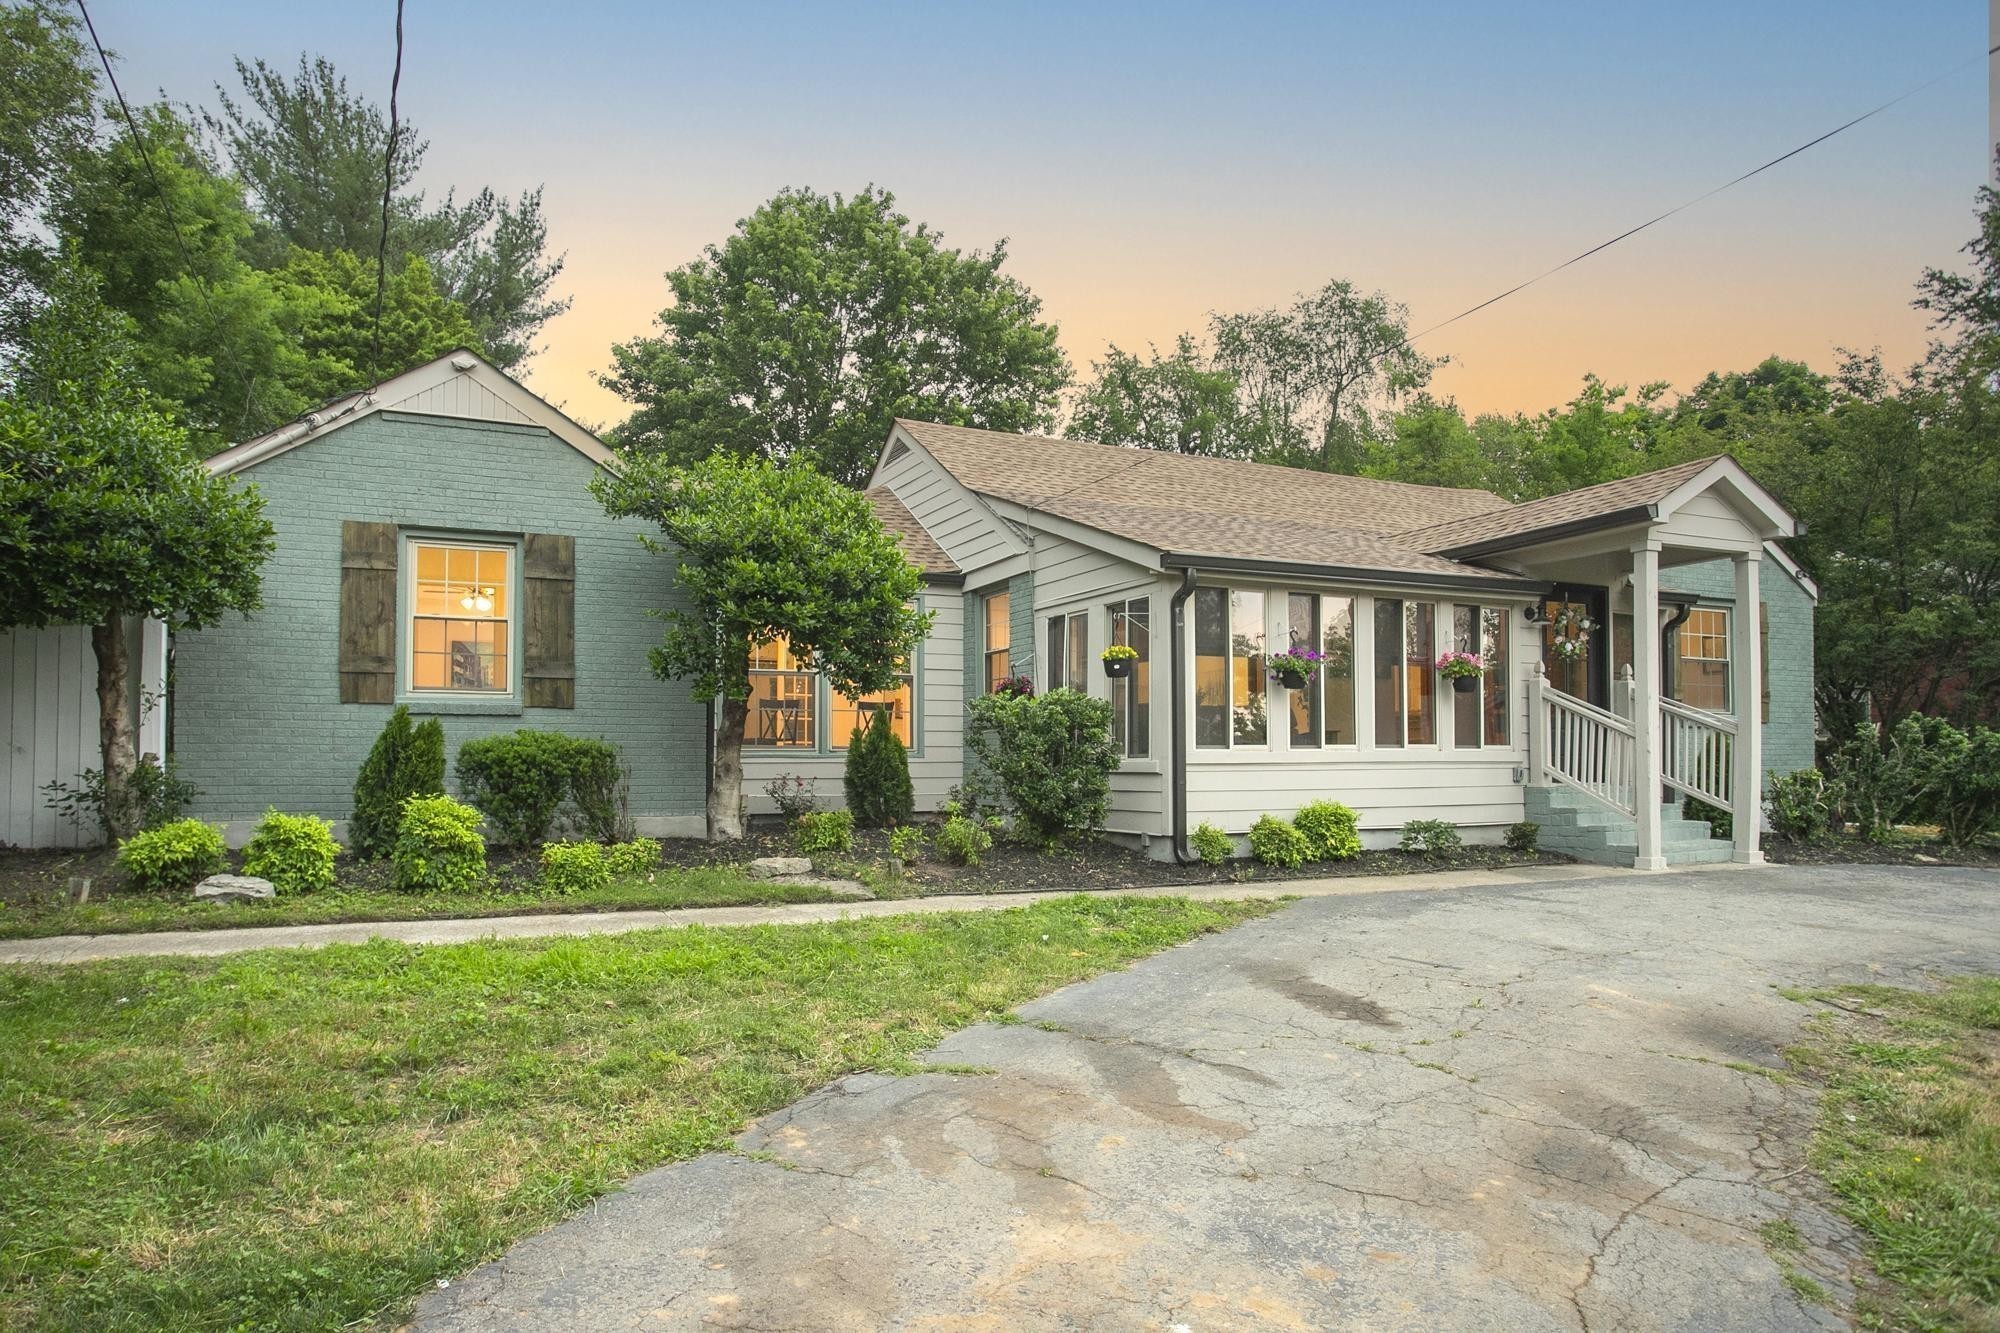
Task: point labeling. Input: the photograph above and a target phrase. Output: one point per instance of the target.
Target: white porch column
(1746, 691)
(1646, 704)
(153, 688)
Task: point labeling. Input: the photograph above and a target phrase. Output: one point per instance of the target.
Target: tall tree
(46, 88)
(764, 552)
(110, 514)
(1179, 403)
(817, 323)
(312, 154)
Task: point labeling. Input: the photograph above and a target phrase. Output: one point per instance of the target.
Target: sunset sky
(1149, 164)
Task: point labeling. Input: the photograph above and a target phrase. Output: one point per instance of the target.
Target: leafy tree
(1430, 443)
(764, 553)
(46, 87)
(1179, 403)
(327, 304)
(1315, 377)
(109, 513)
(819, 321)
(311, 153)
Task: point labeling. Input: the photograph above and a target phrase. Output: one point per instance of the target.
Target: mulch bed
(1016, 867)
(1857, 851)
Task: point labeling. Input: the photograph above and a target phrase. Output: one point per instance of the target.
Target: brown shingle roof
(1555, 511)
(920, 546)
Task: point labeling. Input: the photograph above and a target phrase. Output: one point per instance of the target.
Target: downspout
(1682, 610)
(1176, 674)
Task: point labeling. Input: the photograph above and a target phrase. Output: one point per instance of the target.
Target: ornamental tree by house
(106, 514)
(766, 553)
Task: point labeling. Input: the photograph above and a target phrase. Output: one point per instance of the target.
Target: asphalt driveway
(1500, 1108)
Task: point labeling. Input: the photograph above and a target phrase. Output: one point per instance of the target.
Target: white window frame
(1403, 743)
(1728, 614)
(406, 617)
(1113, 613)
(1229, 592)
(1055, 672)
(824, 745)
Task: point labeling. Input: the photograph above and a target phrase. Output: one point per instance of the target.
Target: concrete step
(1712, 852)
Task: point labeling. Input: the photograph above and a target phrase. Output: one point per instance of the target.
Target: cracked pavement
(1501, 1108)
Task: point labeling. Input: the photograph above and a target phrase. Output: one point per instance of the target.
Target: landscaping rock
(234, 889)
(774, 867)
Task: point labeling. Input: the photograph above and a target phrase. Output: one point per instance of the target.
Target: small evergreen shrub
(1330, 830)
(407, 760)
(1052, 755)
(638, 856)
(1432, 837)
(1211, 844)
(1524, 836)
(1278, 842)
(438, 848)
(597, 789)
(176, 855)
(1800, 805)
(962, 841)
(877, 780)
(793, 795)
(573, 867)
(294, 852)
(906, 844)
(826, 833)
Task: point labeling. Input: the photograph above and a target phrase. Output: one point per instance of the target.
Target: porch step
(1577, 825)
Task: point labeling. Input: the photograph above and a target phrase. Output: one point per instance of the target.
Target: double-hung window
(999, 639)
(1323, 712)
(1405, 673)
(460, 631)
(1131, 714)
(788, 698)
(1229, 680)
(1479, 715)
(1701, 676)
(1068, 662)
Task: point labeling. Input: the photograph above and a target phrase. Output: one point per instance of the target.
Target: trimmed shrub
(597, 789)
(962, 841)
(438, 848)
(1432, 837)
(1800, 805)
(877, 780)
(906, 844)
(1051, 754)
(1330, 830)
(176, 855)
(294, 852)
(826, 832)
(1523, 837)
(521, 781)
(638, 856)
(572, 867)
(1278, 842)
(407, 760)
(1211, 844)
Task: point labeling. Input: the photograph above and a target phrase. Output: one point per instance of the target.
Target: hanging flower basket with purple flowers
(1462, 670)
(1296, 668)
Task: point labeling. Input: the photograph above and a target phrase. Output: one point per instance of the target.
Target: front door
(1575, 646)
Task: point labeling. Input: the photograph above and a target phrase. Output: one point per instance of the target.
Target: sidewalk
(206, 943)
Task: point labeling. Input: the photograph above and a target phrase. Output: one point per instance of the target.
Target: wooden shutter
(367, 613)
(548, 666)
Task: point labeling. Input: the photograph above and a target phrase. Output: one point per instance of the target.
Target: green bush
(877, 780)
(572, 867)
(1523, 837)
(157, 794)
(1211, 844)
(906, 843)
(294, 852)
(825, 833)
(1954, 777)
(1721, 823)
(1278, 842)
(962, 841)
(1052, 755)
(1330, 830)
(638, 856)
(407, 760)
(1432, 837)
(175, 855)
(1800, 806)
(1871, 777)
(438, 848)
(521, 780)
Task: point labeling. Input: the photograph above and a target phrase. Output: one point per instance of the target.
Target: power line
(388, 189)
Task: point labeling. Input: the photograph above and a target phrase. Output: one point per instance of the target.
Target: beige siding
(936, 765)
(1466, 788)
(1708, 518)
(968, 531)
(48, 716)
(462, 396)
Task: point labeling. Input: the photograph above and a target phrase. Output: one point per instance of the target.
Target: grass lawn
(293, 1139)
(28, 916)
(1909, 1139)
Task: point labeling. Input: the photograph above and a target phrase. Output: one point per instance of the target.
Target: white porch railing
(1580, 745)
(1698, 753)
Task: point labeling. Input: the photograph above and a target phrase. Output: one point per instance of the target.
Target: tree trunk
(725, 788)
(115, 732)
